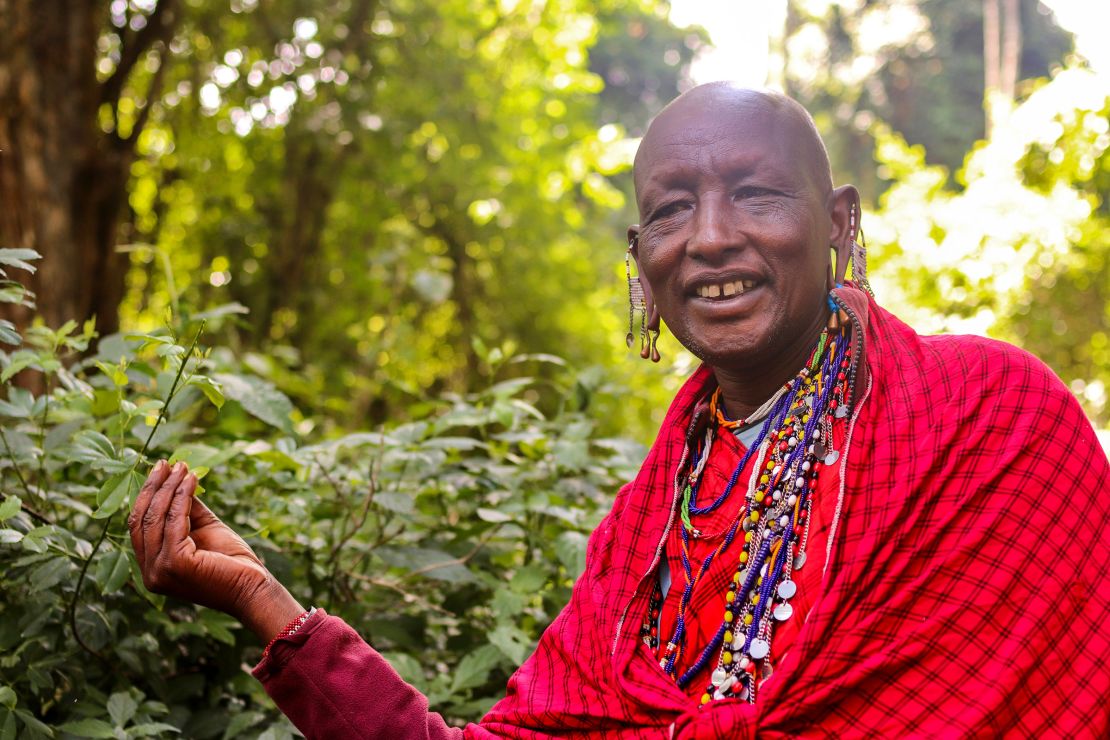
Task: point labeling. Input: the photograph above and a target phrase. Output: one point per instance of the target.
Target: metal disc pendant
(629, 339)
(819, 449)
(799, 561)
(832, 457)
(718, 678)
(759, 649)
(783, 612)
(841, 412)
(787, 589)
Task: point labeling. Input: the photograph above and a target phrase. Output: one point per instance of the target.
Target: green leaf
(49, 574)
(117, 374)
(210, 388)
(112, 571)
(91, 446)
(90, 727)
(570, 547)
(7, 725)
(33, 724)
(151, 729)
(8, 333)
(10, 536)
(18, 258)
(7, 697)
(115, 491)
(240, 722)
(473, 670)
(18, 361)
(9, 507)
(512, 642)
(258, 398)
(121, 707)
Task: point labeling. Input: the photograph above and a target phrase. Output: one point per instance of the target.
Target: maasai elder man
(843, 528)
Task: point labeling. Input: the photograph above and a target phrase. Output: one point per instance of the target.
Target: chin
(738, 349)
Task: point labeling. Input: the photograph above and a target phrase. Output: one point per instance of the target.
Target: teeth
(727, 289)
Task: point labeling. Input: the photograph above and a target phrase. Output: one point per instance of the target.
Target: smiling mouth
(726, 290)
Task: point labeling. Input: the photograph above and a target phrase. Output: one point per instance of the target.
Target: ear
(649, 299)
(843, 202)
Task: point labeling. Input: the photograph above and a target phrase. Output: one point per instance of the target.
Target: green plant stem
(15, 465)
(108, 522)
(41, 476)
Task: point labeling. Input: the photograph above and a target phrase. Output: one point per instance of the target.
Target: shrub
(449, 541)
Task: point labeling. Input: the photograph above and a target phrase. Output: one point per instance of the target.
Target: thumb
(200, 515)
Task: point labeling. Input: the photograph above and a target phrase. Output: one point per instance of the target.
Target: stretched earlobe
(844, 210)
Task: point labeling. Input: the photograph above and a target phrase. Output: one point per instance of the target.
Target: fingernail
(160, 466)
(177, 466)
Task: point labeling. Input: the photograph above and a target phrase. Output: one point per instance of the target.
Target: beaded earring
(637, 301)
(859, 252)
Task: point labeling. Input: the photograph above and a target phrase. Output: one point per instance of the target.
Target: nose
(715, 235)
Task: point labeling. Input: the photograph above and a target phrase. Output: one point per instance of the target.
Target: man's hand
(186, 552)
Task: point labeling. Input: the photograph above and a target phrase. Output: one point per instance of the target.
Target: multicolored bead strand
(792, 446)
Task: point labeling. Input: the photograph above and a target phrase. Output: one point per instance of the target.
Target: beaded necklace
(774, 520)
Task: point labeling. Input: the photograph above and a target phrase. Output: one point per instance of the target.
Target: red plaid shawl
(964, 592)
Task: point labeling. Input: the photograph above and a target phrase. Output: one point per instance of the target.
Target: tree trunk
(62, 179)
(1010, 59)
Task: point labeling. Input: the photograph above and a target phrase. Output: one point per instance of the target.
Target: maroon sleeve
(330, 683)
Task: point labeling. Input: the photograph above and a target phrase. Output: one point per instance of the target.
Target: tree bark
(1010, 58)
(62, 179)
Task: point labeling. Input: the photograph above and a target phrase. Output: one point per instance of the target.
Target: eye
(754, 191)
(669, 209)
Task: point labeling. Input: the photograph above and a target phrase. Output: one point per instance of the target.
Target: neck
(743, 390)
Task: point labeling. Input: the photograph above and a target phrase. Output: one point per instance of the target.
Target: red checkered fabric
(965, 591)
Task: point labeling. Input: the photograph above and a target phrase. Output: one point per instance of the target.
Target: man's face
(734, 231)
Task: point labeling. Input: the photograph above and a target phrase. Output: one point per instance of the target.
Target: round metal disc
(832, 457)
(783, 612)
(759, 649)
(799, 561)
(629, 339)
(841, 412)
(787, 589)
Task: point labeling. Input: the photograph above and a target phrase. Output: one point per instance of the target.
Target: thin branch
(159, 26)
(408, 595)
(151, 93)
(15, 465)
(457, 561)
(29, 511)
(108, 522)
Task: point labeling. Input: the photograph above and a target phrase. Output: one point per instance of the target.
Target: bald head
(725, 105)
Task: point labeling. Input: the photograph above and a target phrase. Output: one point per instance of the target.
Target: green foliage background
(374, 295)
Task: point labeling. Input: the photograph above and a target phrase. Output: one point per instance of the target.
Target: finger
(201, 516)
(154, 518)
(177, 516)
(134, 522)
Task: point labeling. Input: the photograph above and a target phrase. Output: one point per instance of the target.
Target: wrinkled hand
(186, 552)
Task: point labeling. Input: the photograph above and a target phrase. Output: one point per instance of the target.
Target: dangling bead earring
(859, 253)
(637, 301)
